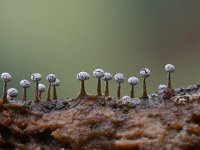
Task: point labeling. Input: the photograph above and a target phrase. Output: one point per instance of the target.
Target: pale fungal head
(133, 80)
(6, 77)
(41, 88)
(25, 83)
(35, 77)
(119, 77)
(82, 76)
(145, 72)
(107, 76)
(126, 98)
(162, 87)
(170, 68)
(56, 82)
(51, 78)
(98, 73)
(12, 92)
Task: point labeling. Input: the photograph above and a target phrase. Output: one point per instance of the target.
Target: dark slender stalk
(48, 92)
(99, 87)
(107, 88)
(132, 92)
(24, 94)
(54, 93)
(5, 100)
(40, 95)
(144, 89)
(119, 91)
(36, 93)
(169, 85)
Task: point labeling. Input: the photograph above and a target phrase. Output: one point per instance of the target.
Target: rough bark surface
(96, 123)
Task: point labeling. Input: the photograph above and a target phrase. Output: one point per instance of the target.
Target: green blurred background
(67, 36)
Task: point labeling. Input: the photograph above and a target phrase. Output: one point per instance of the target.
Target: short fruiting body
(6, 77)
(107, 77)
(50, 78)
(162, 87)
(119, 77)
(132, 81)
(126, 98)
(82, 76)
(55, 84)
(170, 69)
(12, 93)
(24, 84)
(98, 73)
(145, 73)
(36, 77)
(41, 89)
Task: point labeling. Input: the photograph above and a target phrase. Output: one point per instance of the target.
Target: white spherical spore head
(51, 77)
(41, 87)
(25, 84)
(82, 76)
(6, 77)
(133, 80)
(162, 87)
(170, 68)
(126, 98)
(98, 73)
(119, 77)
(107, 76)
(12, 92)
(145, 72)
(56, 83)
(35, 77)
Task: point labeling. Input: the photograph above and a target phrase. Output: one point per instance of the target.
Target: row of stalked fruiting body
(119, 77)
(82, 76)
(53, 81)
(40, 88)
(13, 92)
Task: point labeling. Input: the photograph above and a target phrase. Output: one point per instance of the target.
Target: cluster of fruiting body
(25, 84)
(82, 76)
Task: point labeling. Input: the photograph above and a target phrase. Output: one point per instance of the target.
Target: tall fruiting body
(12, 93)
(145, 73)
(98, 73)
(36, 77)
(41, 89)
(82, 76)
(55, 84)
(24, 84)
(132, 81)
(107, 77)
(6, 77)
(119, 77)
(50, 78)
(170, 69)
